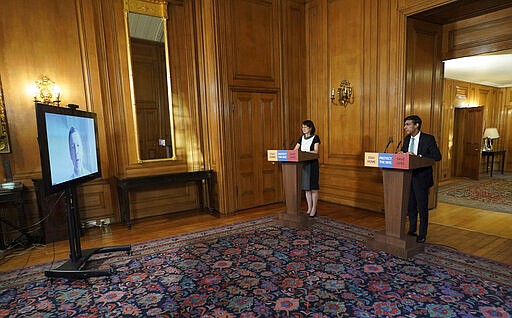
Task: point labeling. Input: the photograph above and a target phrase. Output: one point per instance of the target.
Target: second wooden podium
(292, 161)
(396, 172)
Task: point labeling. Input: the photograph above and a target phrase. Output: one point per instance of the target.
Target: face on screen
(76, 150)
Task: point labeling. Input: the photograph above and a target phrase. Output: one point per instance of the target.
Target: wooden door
(256, 128)
(468, 138)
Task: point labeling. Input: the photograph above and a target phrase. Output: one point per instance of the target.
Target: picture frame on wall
(5, 145)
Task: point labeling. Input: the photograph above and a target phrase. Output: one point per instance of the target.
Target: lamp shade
(491, 133)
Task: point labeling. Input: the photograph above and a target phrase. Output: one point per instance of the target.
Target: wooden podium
(292, 183)
(397, 172)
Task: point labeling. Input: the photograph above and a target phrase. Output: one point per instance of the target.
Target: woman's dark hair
(310, 124)
(415, 120)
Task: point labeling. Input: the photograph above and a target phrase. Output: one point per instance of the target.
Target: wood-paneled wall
(483, 34)
(496, 114)
(292, 50)
(364, 42)
(505, 123)
(81, 45)
(60, 51)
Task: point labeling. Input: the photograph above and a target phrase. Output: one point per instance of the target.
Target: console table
(491, 154)
(12, 193)
(124, 186)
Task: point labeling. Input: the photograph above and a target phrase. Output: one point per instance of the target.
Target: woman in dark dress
(310, 169)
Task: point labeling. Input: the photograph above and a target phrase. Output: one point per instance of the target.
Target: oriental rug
(260, 268)
(492, 194)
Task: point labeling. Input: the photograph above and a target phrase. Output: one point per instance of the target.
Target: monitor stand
(74, 267)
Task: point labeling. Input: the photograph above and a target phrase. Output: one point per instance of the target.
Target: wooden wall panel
(486, 96)
(345, 62)
(483, 34)
(253, 42)
(26, 53)
(383, 117)
(447, 129)
(423, 71)
(316, 66)
(424, 84)
(59, 48)
(354, 40)
(95, 201)
(294, 71)
(184, 82)
(212, 99)
(163, 200)
(505, 125)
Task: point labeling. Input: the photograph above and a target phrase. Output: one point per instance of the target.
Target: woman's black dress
(310, 168)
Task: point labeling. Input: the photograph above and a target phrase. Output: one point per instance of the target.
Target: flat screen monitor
(68, 146)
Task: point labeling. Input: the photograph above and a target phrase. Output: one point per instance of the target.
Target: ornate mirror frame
(5, 145)
(158, 9)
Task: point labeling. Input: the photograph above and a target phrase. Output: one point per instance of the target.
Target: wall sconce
(344, 93)
(44, 90)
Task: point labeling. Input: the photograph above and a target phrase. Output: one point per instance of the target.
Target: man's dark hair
(415, 120)
(310, 124)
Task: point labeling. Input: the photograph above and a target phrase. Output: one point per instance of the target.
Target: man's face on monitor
(75, 149)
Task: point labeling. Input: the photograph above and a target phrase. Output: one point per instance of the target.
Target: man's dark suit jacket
(423, 177)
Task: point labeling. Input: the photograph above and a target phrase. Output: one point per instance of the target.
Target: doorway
(452, 130)
(256, 123)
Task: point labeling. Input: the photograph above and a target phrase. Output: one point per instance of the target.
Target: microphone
(389, 143)
(398, 147)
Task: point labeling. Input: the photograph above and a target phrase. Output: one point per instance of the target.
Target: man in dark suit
(423, 145)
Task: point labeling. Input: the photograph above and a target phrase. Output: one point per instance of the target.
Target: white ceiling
(488, 69)
(146, 27)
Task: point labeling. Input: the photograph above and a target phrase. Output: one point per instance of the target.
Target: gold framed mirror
(5, 145)
(150, 80)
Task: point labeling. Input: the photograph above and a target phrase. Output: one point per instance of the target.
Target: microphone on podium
(398, 146)
(389, 143)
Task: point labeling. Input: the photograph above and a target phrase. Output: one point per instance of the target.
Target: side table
(491, 154)
(11, 193)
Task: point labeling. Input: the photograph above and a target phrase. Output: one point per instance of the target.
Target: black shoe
(420, 239)
(412, 233)
(312, 216)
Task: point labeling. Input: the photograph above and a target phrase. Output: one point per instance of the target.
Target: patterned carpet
(492, 194)
(262, 269)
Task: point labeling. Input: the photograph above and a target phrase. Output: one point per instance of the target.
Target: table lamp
(489, 135)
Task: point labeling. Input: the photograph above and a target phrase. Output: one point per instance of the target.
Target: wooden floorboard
(478, 232)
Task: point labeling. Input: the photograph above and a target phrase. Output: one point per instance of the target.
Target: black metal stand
(73, 268)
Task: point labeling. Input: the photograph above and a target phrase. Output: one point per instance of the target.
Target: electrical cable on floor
(53, 258)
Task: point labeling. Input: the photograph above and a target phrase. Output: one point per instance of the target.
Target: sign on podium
(290, 155)
(402, 161)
